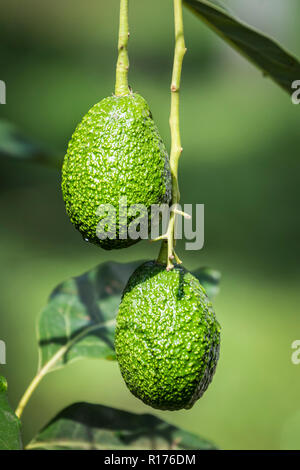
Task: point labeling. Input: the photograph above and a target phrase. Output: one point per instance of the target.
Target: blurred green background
(241, 142)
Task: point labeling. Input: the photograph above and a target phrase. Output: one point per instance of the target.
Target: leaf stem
(25, 398)
(123, 60)
(51, 363)
(167, 253)
(39, 376)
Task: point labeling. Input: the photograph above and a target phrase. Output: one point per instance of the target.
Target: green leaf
(14, 144)
(220, 5)
(210, 280)
(79, 319)
(10, 437)
(262, 51)
(83, 426)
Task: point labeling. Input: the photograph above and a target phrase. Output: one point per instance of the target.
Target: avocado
(167, 337)
(116, 152)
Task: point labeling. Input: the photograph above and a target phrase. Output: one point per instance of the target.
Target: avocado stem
(123, 60)
(167, 252)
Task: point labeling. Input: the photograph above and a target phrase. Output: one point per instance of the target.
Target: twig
(167, 252)
(123, 60)
(51, 363)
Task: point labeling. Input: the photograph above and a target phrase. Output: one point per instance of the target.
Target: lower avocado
(167, 337)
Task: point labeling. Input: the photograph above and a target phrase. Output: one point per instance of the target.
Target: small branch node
(184, 214)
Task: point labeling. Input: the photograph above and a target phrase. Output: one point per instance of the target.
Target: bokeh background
(241, 142)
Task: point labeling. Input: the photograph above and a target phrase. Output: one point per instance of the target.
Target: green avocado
(167, 337)
(116, 152)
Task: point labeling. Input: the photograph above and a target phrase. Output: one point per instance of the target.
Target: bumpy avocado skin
(115, 151)
(167, 337)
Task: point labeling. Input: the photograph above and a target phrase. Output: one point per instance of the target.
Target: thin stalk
(50, 364)
(123, 60)
(37, 379)
(167, 252)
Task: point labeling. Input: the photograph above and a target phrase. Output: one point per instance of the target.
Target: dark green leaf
(79, 320)
(220, 4)
(94, 427)
(14, 144)
(210, 280)
(10, 438)
(262, 51)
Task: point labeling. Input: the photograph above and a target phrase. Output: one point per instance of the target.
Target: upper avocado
(167, 337)
(115, 152)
